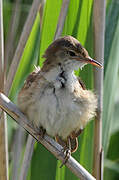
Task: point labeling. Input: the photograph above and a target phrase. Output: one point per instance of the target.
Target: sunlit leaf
(111, 76)
(111, 24)
(50, 19)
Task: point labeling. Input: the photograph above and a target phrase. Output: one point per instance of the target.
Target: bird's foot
(42, 132)
(66, 150)
(67, 153)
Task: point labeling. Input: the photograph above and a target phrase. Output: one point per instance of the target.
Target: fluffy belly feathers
(60, 112)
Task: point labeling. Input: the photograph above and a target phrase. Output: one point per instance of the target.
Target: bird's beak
(89, 60)
(93, 62)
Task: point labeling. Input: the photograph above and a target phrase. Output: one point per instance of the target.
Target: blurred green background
(79, 24)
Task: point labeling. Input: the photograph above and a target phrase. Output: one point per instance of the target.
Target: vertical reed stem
(99, 30)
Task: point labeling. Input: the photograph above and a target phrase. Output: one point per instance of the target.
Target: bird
(54, 99)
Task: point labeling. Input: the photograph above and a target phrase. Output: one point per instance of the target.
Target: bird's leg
(78, 133)
(60, 141)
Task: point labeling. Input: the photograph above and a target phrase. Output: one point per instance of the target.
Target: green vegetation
(79, 24)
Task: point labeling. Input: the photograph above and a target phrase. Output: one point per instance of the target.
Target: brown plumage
(53, 98)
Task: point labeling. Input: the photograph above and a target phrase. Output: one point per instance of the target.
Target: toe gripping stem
(67, 152)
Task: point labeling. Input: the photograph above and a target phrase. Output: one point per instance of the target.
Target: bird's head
(68, 52)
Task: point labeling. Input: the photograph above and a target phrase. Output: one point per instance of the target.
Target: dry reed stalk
(62, 17)
(99, 30)
(27, 157)
(14, 22)
(21, 45)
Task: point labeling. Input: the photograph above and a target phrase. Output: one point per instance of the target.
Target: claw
(67, 156)
(67, 152)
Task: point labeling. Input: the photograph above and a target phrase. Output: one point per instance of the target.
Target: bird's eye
(71, 53)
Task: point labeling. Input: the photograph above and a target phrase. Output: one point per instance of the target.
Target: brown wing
(25, 94)
(31, 78)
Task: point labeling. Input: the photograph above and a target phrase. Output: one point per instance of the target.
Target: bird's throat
(60, 75)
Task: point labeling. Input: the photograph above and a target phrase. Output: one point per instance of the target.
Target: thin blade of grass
(60, 174)
(16, 151)
(27, 157)
(21, 45)
(62, 17)
(111, 24)
(29, 58)
(1, 49)
(111, 79)
(50, 19)
(3, 119)
(11, 33)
